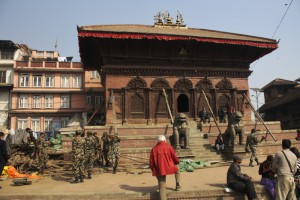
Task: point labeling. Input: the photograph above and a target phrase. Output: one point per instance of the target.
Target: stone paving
(124, 185)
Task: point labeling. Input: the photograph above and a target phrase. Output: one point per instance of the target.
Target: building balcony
(46, 111)
(52, 90)
(7, 86)
(47, 65)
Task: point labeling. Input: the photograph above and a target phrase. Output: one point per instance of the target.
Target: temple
(136, 62)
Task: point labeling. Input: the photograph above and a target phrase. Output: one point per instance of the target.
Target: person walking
(285, 166)
(252, 142)
(268, 178)
(238, 181)
(90, 147)
(114, 154)
(163, 161)
(3, 153)
(78, 147)
(98, 151)
(105, 149)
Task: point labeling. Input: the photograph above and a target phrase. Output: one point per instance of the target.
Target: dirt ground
(200, 179)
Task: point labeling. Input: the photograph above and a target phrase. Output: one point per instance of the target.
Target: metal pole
(256, 102)
(211, 112)
(258, 117)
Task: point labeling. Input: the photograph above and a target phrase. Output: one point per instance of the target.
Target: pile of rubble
(22, 157)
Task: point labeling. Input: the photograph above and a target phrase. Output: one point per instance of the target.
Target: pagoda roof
(94, 39)
(292, 96)
(279, 82)
(130, 31)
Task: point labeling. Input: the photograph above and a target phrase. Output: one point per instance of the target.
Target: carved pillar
(125, 98)
(123, 103)
(147, 110)
(234, 97)
(215, 103)
(173, 103)
(194, 104)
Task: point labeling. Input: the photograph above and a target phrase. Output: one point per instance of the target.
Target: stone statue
(181, 131)
(235, 127)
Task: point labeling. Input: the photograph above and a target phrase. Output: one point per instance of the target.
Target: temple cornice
(178, 72)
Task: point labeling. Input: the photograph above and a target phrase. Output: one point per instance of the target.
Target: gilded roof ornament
(163, 19)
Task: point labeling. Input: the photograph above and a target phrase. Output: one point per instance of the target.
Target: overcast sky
(39, 24)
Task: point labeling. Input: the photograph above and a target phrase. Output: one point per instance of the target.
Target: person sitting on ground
(204, 115)
(219, 144)
(222, 115)
(238, 181)
(268, 178)
(297, 174)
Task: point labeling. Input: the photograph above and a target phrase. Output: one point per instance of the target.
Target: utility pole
(257, 93)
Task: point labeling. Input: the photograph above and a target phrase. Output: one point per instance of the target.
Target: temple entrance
(182, 103)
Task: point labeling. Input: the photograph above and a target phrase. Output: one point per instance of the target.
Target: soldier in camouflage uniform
(98, 151)
(78, 147)
(41, 153)
(90, 146)
(105, 150)
(252, 142)
(113, 154)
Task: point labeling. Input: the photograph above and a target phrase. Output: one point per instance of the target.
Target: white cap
(161, 138)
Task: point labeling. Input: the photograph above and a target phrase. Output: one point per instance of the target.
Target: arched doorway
(182, 104)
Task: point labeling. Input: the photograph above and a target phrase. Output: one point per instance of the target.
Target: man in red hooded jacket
(163, 161)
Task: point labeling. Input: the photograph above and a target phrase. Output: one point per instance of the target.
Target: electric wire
(254, 65)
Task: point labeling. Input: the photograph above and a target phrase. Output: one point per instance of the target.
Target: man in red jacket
(163, 161)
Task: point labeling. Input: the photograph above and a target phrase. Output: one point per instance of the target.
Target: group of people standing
(280, 175)
(37, 147)
(87, 152)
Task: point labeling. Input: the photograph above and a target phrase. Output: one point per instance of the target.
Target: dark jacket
(3, 152)
(234, 174)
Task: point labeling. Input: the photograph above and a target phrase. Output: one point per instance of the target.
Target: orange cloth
(13, 173)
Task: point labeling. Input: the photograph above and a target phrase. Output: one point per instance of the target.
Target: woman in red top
(163, 161)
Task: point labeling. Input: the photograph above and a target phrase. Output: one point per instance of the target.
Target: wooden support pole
(170, 113)
(96, 110)
(260, 119)
(114, 112)
(212, 113)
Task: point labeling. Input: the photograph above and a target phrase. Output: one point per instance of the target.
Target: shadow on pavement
(143, 190)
